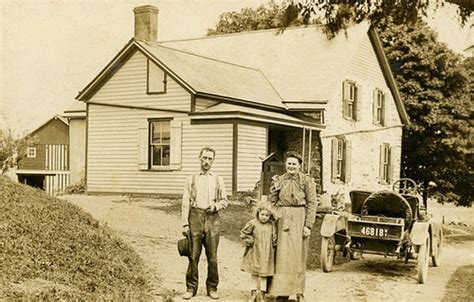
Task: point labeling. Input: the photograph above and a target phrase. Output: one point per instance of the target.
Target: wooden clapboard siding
(37, 163)
(53, 132)
(217, 136)
(252, 146)
(113, 152)
(202, 104)
(128, 86)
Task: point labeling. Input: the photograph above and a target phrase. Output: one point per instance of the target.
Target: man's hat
(184, 247)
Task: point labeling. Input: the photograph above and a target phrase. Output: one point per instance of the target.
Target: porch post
(304, 143)
(309, 152)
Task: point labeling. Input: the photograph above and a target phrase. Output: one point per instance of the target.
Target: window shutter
(345, 95)
(333, 159)
(381, 155)
(358, 103)
(382, 117)
(374, 107)
(143, 145)
(176, 130)
(390, 164)
(347, 160)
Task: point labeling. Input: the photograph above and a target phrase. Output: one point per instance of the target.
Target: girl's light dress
(259, 259)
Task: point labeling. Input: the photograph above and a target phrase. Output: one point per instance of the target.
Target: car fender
(419, 232)
(331, 224)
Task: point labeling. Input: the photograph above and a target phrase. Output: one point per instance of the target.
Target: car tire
(423, 260)
(436, 258)
(328, 253)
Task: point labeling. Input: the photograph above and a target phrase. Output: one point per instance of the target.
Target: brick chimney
(146, 23)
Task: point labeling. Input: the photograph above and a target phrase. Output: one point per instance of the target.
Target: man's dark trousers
(204, 228)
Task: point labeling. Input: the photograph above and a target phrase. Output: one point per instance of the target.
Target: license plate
(374, 231)
(366, 228)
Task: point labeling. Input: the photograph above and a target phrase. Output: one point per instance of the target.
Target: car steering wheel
(405, 186)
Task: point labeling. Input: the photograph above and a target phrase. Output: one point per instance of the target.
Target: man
(204, 196)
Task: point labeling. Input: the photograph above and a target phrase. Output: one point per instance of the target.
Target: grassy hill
(50, 249)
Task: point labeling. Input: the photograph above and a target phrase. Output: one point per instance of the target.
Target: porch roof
(231, 111)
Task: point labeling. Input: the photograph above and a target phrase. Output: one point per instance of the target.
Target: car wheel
(436, 258)
(328, 253)
(423, 260)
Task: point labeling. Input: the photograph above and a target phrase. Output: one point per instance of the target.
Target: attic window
(31, 152)
(156, 79)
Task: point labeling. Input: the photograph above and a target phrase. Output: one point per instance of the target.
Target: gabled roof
(301, 63)
(56, 117)
(200, 75)
(263, 68)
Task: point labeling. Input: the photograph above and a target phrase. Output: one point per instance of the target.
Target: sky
(51, 49)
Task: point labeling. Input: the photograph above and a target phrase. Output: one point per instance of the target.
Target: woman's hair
(294, 154)
(265, 206)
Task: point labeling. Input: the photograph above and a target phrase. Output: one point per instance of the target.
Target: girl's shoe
(300, 298)
(253, 296)
(261, 296)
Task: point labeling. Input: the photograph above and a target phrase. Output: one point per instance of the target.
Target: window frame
(151, 144)
(165, 79)
(350, 102)
(28, 155)
(341, 160)
(379, 119)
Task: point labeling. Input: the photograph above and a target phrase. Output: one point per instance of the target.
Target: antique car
(388, 223)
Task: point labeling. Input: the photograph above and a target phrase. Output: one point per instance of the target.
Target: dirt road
(153, 234)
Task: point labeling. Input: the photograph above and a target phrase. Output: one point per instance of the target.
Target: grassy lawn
(460, 287)
(52, 250)
(234, 218)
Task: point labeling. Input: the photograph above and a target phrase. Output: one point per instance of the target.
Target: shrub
(79, 188)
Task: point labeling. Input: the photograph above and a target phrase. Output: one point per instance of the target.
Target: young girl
(260, 237)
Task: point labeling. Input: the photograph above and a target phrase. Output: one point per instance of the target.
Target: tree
(263, 17)
(338, 14)
(433, 84)
(13, 150)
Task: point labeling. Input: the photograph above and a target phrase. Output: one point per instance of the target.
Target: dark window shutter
(333, 159)
(347, 160)
(390, 164)
(382, 116)
(381, 155)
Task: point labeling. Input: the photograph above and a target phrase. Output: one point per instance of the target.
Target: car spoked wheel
(423, 260)
(328, 253)
(436, 258)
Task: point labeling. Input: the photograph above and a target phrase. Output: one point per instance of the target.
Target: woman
(294, 195)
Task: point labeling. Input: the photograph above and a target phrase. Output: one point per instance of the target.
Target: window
(160, 143)
(31, 152)
(350, 96)
(156, 79)
(341, 156)
(379, 107)
(385, 169)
